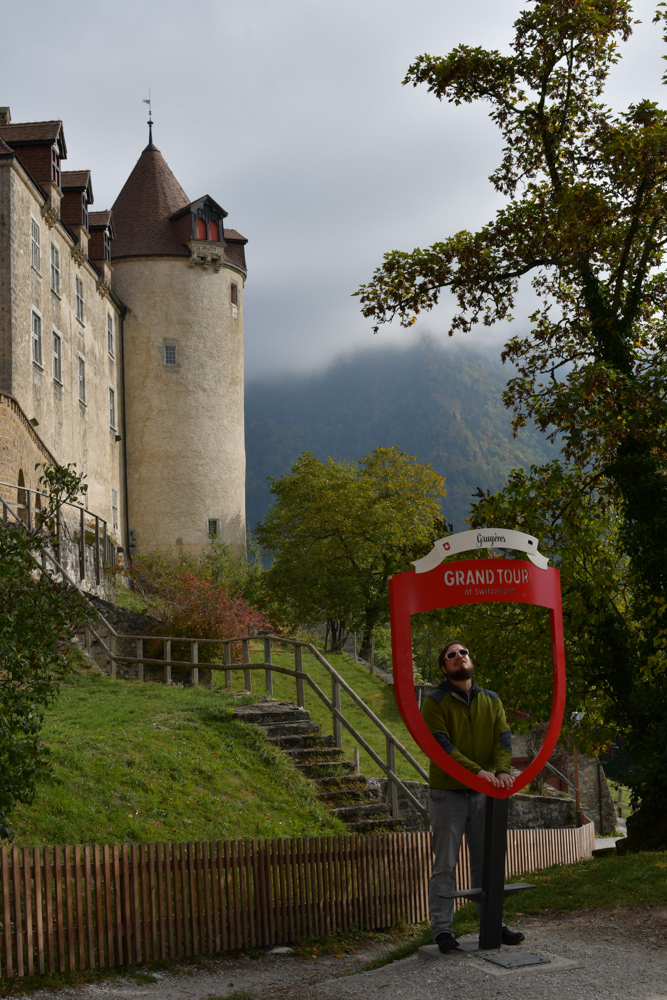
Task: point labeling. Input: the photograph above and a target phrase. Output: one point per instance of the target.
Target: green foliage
(579, 531)
(339, 530)
(615, 657)
(36, 615)
(149, 762)
(586, 219)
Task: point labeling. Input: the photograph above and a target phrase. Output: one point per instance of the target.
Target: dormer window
(107, 246)
(207, 220)
(84, 209)
(55, 165)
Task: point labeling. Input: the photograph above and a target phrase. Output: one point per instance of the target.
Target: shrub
(204, 609)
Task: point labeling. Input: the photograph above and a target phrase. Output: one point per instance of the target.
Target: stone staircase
(347, 793)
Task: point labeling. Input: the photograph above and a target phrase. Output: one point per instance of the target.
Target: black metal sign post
(493, 872)
(492, 892)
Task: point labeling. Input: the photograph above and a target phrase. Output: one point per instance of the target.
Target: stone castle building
(121, 343)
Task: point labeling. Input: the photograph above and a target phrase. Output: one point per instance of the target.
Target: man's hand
(505, 780)
(487, 776)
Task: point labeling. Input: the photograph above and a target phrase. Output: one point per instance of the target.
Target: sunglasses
(455, 652)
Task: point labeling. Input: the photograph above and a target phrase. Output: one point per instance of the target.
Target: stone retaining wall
(527, 812)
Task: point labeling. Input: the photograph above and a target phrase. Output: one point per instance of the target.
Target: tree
(339, 530)
(586, 220)
(37, 614)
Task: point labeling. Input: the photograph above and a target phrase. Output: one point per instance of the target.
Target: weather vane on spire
(147, 100)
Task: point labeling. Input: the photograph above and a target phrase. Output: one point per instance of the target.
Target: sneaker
(446, 942)
(511, 937)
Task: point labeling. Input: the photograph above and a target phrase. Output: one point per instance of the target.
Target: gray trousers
(453, 814)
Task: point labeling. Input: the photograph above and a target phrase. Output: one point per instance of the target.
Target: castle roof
(77, 179)
(143, 209)
(99, 218)
(235, 248)
(24, 133)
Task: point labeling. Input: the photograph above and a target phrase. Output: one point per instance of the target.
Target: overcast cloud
(291, 114)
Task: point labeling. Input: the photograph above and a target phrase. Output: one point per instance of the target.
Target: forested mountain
(442, 404)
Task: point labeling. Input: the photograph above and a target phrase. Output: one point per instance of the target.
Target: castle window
(22, 497)
(170, 354)
(110, 335)
(82, 380)
(79, 299)
(234, 294)
(36, 339)
(214, 232)
(57, 358)
(201, 229)
(35, 245)
(55, 269)
(112, 409)
(55, 165)
(114, 509)
(213, 528)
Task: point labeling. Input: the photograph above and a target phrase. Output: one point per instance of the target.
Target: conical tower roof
(143, 209)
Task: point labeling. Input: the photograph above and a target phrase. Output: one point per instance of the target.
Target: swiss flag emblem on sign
(473, 581)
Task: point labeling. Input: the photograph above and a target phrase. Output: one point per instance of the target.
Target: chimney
(5, 116)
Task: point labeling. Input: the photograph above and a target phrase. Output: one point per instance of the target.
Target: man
(469, 723)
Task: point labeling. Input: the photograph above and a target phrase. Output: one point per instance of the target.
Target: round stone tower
(181, 275)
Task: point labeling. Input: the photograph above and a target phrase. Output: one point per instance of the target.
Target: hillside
(149, 762)
(442, 404)
(152, 763)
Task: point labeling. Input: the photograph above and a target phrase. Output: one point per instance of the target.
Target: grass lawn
(598, 884)
(149, 762)
(376, 694)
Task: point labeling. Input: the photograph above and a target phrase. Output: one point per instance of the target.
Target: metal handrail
(567, 781)
(103, 544)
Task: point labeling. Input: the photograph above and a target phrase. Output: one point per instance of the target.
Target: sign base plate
(513, 959)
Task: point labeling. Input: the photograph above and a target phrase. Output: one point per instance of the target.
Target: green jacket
(471, 727)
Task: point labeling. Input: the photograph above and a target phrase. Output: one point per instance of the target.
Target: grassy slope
(376, 694)
(148, 762)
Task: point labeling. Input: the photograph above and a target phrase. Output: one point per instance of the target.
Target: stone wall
(68, 430)
(541, 812)
(526, 812)
(412, 820)
(131, 623)
(185, 421)
(589, 794)
(20, 446)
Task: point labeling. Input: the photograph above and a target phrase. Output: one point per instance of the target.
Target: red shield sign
(474, 581)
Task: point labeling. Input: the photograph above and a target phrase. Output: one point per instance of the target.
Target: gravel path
(621, 955)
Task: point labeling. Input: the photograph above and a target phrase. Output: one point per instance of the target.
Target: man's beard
(463, 673)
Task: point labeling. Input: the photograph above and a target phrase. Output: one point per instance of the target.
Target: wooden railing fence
(69, 908)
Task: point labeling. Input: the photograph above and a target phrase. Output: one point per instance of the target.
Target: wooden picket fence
(68, 908)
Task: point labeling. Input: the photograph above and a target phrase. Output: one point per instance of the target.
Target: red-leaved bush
(204, 609)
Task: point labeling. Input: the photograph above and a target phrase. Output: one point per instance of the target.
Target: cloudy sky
(291, 114)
